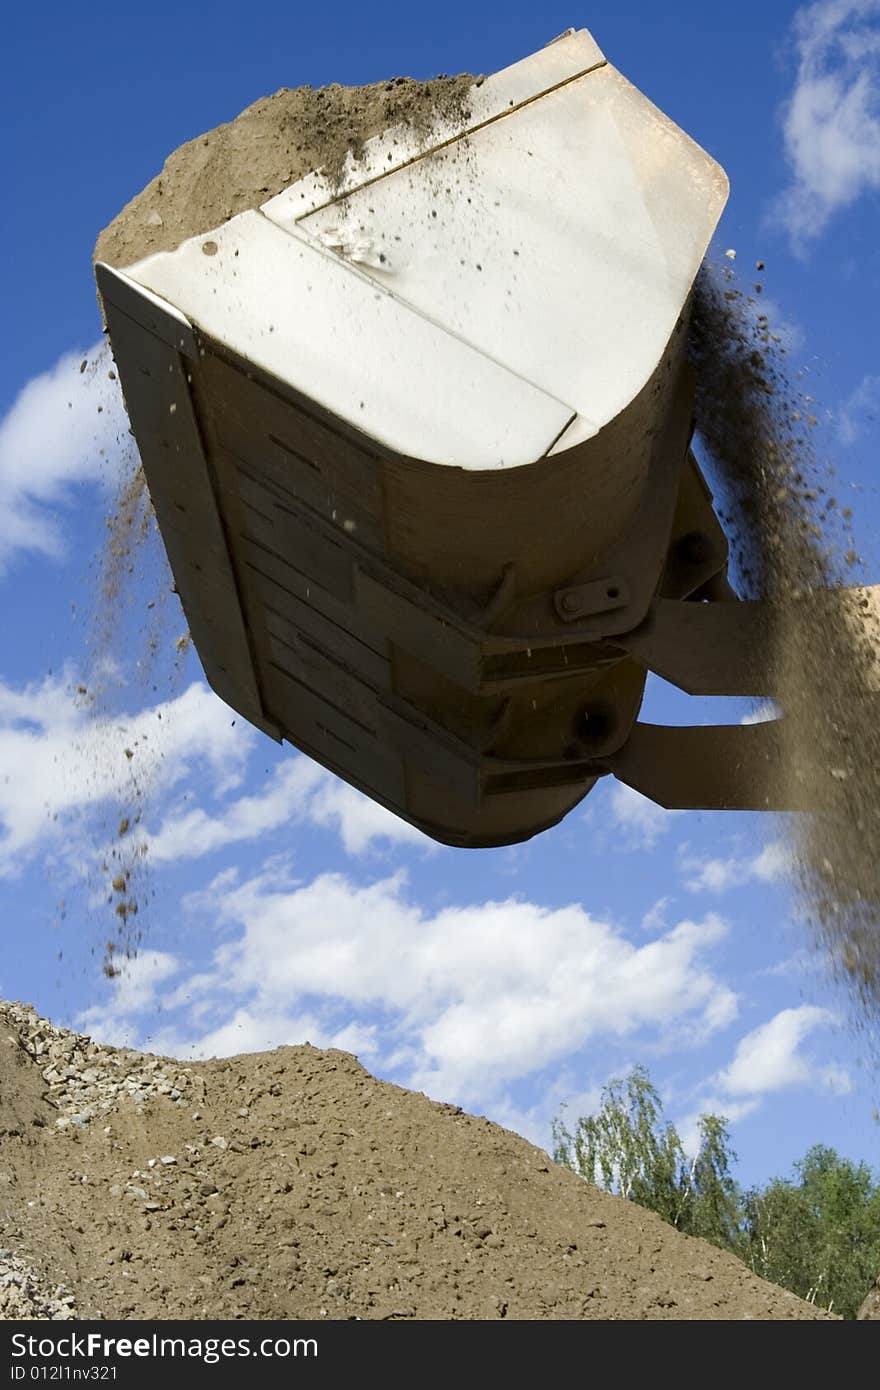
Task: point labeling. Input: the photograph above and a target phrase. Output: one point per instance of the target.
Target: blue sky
(275, 904)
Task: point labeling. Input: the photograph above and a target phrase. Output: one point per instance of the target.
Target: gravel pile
(25, 1294)
(84, 1080)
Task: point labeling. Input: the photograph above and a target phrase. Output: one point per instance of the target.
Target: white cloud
(299, 790)
(731, 1110)
(192, 833)
(831, 122)
(257, 1031)
(774, 862)
(861, 408)
(359, 820)
(134, 991)
(560, 1096)
(61, 430)
(641, 819)
(118, 1022)
(762, 713)
(769, 1058)
(717, 875)
(60, 762)
(469, 998)
(836, 1079)
(712, 875)
(721, 1010)
(802, 962)
(655, 919)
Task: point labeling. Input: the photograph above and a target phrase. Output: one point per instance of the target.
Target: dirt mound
(293, 1184)
(270, 145)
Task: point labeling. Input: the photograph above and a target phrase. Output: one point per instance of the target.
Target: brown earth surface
(292, 1184)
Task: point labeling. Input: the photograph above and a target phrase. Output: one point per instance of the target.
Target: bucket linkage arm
(725, 648)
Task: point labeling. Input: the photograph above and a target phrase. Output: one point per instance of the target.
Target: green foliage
(714, 1198)
(817, 1234)
(628, 1149)
(621, 1147)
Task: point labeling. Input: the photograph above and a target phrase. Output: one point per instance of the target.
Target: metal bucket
(418, 443)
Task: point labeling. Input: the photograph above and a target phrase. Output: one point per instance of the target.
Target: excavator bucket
(417, 437)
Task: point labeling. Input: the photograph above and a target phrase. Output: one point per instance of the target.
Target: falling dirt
(794, 548)
(129, 528)
(292, 1184)
(269, 146)
(133, 642)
